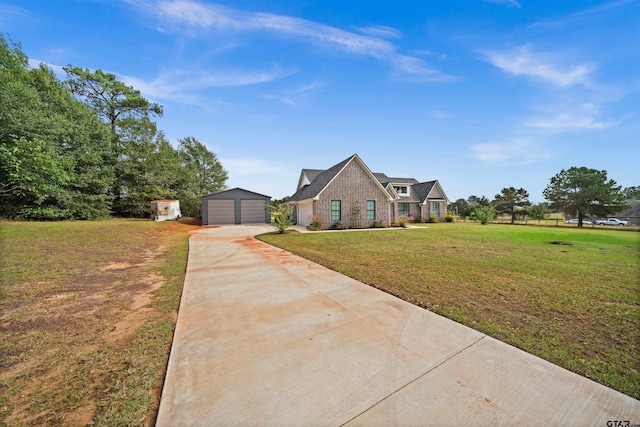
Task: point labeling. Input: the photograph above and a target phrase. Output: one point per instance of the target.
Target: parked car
(575, 221)
(612, 221)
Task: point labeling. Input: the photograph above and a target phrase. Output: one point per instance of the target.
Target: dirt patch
(62, 340)
(141, 296)
(117, 266)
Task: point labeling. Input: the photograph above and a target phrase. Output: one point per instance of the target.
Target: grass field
(568, 295)
(87, 312)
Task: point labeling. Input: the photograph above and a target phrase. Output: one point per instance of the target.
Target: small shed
(162, 210)
(235, 206)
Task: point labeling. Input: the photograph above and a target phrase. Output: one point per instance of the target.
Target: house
(349, 193)
(632, 214)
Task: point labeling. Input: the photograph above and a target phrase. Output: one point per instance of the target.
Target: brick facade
(353, 187)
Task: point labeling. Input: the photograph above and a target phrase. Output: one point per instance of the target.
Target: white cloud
(11, 14)
(310, 87)
(181, 84)
(596, 10)
(510, 3)
(439, 56)
(380, 31)
(281, 99)
(294, 96)
(572, 122)
(543, 66)
(586, 116)
(408, 67)
(198, 18)
(439, 114)
(519, 151)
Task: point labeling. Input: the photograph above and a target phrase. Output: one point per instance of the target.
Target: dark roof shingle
(321, 180)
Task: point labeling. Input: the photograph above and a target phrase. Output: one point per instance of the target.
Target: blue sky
(480, 95)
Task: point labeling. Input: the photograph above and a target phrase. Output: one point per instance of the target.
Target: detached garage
(236, 206)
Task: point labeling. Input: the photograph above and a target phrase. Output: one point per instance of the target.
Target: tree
(460, 207)
(29, 165)
(580, 191)
(113, 100)
(511, 201)
(475, 201)
(149, 168)
(632, 193)
(203, 173)
(539, 211)
(52, 147)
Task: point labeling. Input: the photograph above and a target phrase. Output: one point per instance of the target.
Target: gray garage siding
(235, 206)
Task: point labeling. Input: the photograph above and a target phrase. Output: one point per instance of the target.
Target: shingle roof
(632, 211)
(420, 191)
(322, 179)
(312, 173)
(410, 181)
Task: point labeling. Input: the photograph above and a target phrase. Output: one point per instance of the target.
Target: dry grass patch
(576, 305)
(87, 311)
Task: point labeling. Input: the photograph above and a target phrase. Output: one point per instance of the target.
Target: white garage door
(252, 211)
(221, 212)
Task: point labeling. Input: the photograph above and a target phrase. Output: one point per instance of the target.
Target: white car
(612, 221)
(575, 221)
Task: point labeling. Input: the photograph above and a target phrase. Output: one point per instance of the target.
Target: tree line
(577, 191)
(87, 147)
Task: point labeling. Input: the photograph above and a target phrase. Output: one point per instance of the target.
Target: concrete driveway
(267, 338)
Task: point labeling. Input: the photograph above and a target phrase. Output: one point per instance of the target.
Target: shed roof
(236, 190)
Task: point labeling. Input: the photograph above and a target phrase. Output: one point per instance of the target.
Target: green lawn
(576, 304)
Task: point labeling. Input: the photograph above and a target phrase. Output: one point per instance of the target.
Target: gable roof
(312, 183)
(307, 176)
(322, 178)
(312, 173)
(236, 190)
(420, 191)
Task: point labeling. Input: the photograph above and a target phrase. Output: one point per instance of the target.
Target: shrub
(432, 219)
(449, 218)
(281, 215)
(337, 226)
(378, 224)
(484, 214)
(316, 223)
(418, 219)
(402, 221)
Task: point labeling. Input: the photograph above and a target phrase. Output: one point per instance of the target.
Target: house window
(435, 209)
(401, 189)
(336, 210)
(371, 209)
(403, 209)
